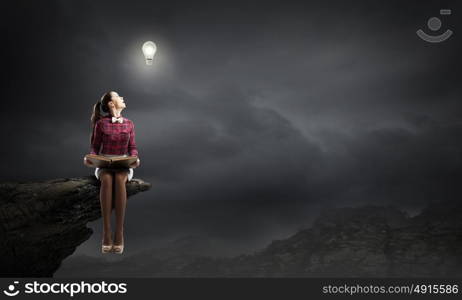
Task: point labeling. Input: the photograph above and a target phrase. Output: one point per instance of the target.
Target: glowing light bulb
(149, 49)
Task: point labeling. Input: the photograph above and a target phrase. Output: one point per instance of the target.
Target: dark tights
(113, 182)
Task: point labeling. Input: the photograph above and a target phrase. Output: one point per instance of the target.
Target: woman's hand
(135, 164)
(87, 162)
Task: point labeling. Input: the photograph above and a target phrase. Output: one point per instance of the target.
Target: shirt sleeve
(97, 137)
(133, 151)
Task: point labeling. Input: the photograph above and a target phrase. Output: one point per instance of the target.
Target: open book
(100, 161)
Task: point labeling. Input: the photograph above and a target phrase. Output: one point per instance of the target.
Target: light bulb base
(149, 62)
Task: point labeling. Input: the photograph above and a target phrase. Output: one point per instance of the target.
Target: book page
(123, 163)
(97, 162)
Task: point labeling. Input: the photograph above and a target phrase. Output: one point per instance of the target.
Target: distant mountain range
(368, 241)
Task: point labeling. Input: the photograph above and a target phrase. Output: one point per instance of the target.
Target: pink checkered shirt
(114, 138)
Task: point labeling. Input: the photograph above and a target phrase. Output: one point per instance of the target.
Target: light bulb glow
(149, 49)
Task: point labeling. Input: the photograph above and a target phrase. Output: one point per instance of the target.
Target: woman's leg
(106, 178)
(120, 179)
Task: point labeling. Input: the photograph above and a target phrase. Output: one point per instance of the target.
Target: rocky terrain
(369, 241)
(42, 223)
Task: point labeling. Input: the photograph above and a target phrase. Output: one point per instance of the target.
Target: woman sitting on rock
(112, 135)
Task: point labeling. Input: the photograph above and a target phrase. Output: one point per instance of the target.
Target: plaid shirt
(114, 138)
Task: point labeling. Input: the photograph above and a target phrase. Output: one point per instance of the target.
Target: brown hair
(101, 105)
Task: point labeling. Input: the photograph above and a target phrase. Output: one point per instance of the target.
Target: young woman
(112, 135)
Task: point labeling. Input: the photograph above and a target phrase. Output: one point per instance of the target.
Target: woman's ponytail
(94, 118)
(100, 106)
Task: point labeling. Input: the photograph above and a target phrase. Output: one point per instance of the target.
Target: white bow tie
(120, 120)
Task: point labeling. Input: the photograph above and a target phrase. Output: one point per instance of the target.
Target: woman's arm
(132, 150)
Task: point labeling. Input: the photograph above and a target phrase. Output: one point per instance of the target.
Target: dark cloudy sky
(254, 115)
